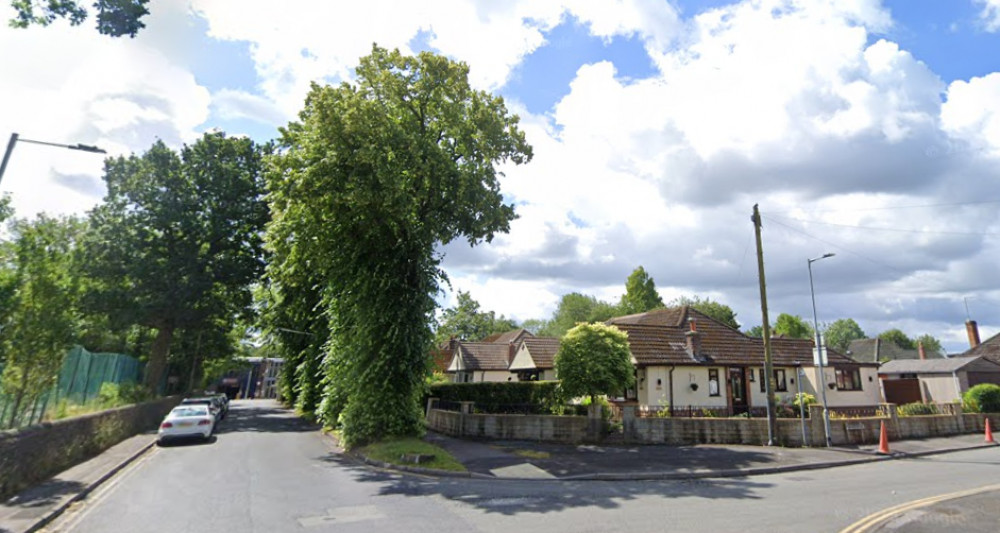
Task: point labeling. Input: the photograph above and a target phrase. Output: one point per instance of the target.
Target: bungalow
(534, 359)
(480, 361)
(935, 380)
(689, 361)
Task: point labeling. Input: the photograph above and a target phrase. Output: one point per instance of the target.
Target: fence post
(466, 410)
(431, 404)
(628, 422)
(816, 427)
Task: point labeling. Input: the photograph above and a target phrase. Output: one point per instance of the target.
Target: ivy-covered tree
(466, 322)
(114, 17)
(41, 312)
(575, 308)
(719, 311)
(792, 326)
(640, 293)
(177, 242)
(594, 359)
(371, 180)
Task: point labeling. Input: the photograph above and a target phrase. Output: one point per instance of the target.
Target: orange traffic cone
(883, 441)
(989, 434)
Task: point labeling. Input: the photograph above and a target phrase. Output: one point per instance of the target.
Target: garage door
(902, 391)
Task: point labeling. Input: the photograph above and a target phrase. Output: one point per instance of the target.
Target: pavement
(32, 509)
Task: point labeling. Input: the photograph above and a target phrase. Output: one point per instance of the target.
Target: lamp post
(821, 378)
(14, 138)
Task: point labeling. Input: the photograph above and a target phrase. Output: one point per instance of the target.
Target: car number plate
(185, 424)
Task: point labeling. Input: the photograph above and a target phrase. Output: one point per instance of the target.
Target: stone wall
(509, 427)
(32, 454)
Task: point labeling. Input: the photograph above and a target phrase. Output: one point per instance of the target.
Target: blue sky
(656, 125)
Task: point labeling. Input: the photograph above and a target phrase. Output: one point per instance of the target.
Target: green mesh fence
(80, 380)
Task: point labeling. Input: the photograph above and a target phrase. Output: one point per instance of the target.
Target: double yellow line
(884, 515)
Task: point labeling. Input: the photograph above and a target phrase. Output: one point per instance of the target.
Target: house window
(780, 384)
(848, 379)
(763, 382)
(713, 381)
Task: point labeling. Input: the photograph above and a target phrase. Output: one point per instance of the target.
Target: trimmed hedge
(983, 398)
(503, 397)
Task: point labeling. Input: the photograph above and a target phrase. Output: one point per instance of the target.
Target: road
(268, 471)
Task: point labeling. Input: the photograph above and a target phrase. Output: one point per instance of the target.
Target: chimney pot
(973, 330)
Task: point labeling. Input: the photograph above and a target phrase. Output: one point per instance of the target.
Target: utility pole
(766, 328)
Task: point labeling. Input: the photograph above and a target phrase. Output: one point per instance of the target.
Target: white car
(187, 421)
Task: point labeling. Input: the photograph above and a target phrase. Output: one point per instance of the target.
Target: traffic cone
(883, 441)
(989, 434)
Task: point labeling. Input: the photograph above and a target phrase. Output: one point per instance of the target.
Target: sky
(864, 128)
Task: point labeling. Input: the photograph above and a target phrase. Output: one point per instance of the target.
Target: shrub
(605, 406)
(916, 409)
(500, 397)
(983, 398)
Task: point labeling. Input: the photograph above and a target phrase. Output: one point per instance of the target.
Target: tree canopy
(177, 241)
(720, 312)
(792, 326)
(114, 17)
(640, 293)
(575, 308)
(841, 332)
(896, 335)
(594, 359)
(466, 322)
(932, 346)
(372, 179)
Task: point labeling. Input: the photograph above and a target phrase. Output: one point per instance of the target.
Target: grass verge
(390, 451)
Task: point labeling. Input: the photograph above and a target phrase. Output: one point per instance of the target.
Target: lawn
(390, 451)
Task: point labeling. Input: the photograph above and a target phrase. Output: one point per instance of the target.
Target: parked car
(213, 402)
(187, 421)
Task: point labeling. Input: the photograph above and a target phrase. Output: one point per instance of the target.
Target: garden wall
(509, 427)
(32, 454)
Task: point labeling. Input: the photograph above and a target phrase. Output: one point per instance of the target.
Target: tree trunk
(158, 357)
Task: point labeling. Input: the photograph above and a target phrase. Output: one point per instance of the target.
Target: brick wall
(32, 454)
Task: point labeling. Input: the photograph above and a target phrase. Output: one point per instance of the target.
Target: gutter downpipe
(670, 381)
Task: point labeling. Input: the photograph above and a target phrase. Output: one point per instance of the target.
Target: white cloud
(972, 112)
(229, 104)
(990, 14)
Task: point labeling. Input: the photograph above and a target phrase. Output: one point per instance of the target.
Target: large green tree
(841, 332)
(177, 242)
(792, 326)
(896, 335)
(465, 321)
(114, 17)
(594, 359)
(932, 346)
(575, 308)
(374, 177)
(41, 313)
(640, 293)
(719, 311)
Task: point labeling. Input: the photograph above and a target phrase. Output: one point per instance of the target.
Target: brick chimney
(973, 330)
(693, 338)
(920, 350)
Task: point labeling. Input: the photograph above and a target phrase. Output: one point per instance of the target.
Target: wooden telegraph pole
(766, 329)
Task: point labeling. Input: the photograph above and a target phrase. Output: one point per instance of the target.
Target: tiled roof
(660, 339)
(484, 355)
(932, 366)
(876, 350)
(508, 336)
(990, 348)
(543, 350)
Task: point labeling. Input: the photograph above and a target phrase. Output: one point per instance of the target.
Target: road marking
(343, 515)
(885, 515)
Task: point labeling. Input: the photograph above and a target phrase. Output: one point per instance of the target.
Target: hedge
(503, 397)
(983, 398)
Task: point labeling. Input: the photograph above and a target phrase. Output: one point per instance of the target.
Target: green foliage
(39, 289)
(792, 326)
(916, 409)
(177, 241)
(575, 308)
(899, 338)
(982, 398)
(841, 332)
(466, 322)
(114, 17)
(541, 396)
(640, 293)
(718, 311)
(932, 346)
(593, 360)
(391, 451)
(370, 182)
(603, 402)
(756, 331)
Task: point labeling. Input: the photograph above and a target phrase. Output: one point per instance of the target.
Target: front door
(738, 386)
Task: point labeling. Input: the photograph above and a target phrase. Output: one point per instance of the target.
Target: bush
(605, 406)
(916, 409)
(983, 398)
(539, 396)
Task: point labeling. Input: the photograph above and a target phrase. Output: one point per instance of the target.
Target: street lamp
(821, 378)
(14, 138)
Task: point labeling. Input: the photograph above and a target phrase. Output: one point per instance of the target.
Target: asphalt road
(269, 472)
